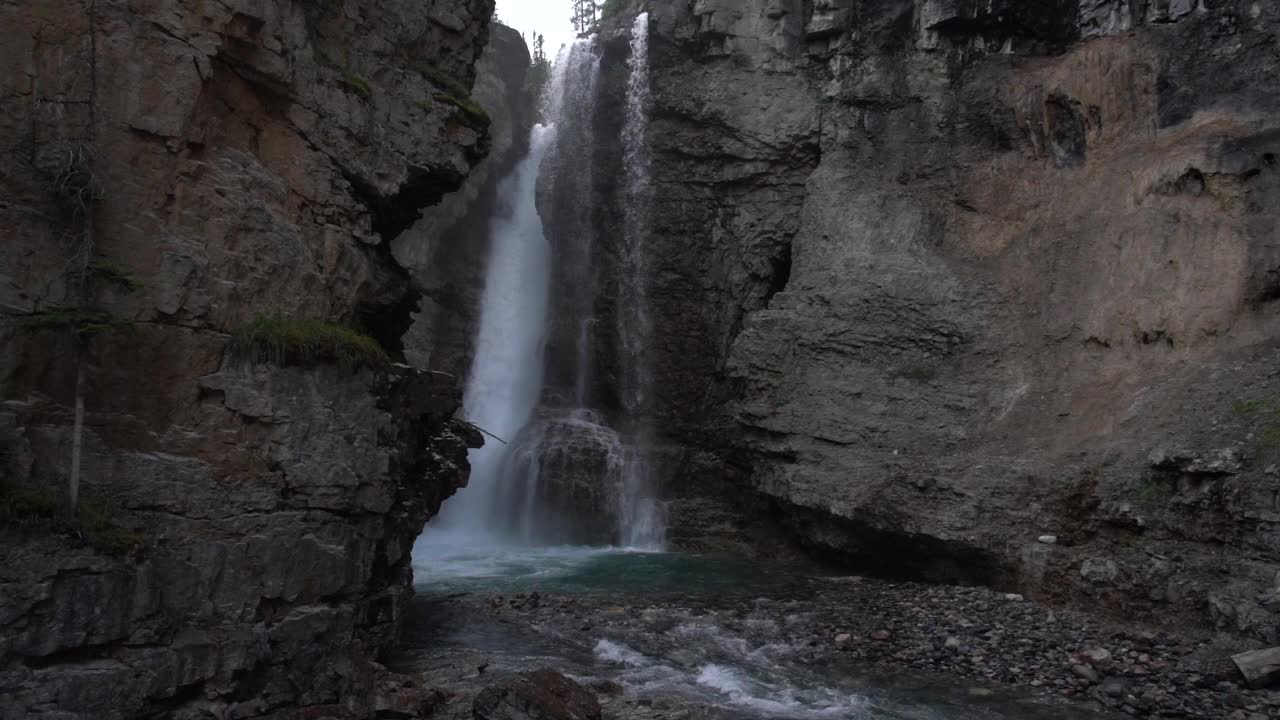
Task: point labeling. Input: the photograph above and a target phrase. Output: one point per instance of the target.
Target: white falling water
(506, 375)
(641, 518)
(564, 473)
(507, 372)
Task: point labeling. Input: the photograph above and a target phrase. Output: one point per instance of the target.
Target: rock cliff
(243, 159)
(937, 279)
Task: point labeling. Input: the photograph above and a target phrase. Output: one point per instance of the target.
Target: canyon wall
(248, 159)
(977, 291)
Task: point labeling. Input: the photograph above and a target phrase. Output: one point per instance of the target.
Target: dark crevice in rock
(387, 314)
(1035, 27)
(71, 656)
(391, 215)
(1270, 290)
(1066, 131)
(163, 708)
(860, 547)
(780, 264)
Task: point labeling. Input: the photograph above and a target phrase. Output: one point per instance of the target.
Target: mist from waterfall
(566, 390)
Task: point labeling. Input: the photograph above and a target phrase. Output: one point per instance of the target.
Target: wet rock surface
(966, 650)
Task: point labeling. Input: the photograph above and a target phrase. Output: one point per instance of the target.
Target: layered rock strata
(936, 279)
(252, 159)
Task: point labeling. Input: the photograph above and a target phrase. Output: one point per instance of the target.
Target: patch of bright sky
(552, 18)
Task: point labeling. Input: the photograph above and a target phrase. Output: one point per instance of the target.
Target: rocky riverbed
(711, 641)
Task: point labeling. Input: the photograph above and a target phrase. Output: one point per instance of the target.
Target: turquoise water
(464, 567)
(729, 635)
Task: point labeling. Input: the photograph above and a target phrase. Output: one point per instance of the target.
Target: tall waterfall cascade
(562, 385)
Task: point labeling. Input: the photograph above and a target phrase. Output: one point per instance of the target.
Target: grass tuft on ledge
(282, 341)
(453, 92)
(31, 507)
(357, 85)
(83, 321)
(113, 273)
(469, 107)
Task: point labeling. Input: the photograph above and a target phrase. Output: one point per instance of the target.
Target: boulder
(538, 695)
(1099, 570)
(1260, 668)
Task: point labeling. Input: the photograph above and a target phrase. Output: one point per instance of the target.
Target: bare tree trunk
(77, 432)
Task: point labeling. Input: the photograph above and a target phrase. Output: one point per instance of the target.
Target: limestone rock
(255, 161)
(889, 322)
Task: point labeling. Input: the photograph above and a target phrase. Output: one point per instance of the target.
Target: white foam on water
(779, 702)
(613, 653)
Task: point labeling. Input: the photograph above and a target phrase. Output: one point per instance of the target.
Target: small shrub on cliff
(1154, 491)
(112, 273)
(442, 80)
(83, 322)
(31, 507)
(917, 373)
(453, 92)
(357, 85)
(280, 340)
(1264, 417)
(469, 107)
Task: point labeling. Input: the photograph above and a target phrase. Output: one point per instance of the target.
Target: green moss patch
(41, 507)
(469, 107)
(357, 85)
(453, 92)
(282, 341)
(83, 321)
(917, 373)
(114, 274)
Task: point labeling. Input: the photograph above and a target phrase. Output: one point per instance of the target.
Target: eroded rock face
(937, 278)
(254, 159)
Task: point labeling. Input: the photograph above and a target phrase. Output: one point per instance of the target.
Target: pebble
(1084, 672)
(1096, 656)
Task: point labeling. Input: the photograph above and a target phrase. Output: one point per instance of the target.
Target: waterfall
(642, 522)
(577, 465)
(506, 375)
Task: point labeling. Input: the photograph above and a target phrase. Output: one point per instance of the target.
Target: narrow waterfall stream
(554, 554)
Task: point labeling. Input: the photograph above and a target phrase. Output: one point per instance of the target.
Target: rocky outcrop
(935, 279)
(252, 160)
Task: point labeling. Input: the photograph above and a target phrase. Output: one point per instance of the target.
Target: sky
(548, 17)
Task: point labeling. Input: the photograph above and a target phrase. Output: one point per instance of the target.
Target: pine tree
(584, 15)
